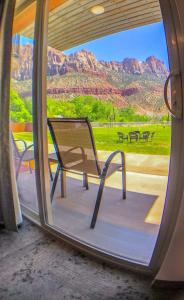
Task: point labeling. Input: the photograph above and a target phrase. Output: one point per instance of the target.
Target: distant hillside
(129, 82)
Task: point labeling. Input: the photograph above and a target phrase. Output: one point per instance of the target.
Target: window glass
(21, 119)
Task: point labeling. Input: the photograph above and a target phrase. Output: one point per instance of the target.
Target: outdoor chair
(25, 154)
(122, 136)
(152, 134)
(76, 152)
(144, 136)
(133, 136)
(137, 131)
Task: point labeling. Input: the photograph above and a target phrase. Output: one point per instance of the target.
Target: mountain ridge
(85, 61)
(123, 82)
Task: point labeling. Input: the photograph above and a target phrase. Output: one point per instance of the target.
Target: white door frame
(174, 193)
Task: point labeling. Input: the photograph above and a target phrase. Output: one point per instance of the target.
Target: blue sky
(24, 40)
(137, 43)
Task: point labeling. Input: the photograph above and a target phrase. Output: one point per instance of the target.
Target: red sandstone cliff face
(85, 61)
(132, 66)
(93, 91)
(155, 66)
(127, 82)
(24, 64)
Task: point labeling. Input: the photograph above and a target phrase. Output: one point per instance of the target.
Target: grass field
(107, 139)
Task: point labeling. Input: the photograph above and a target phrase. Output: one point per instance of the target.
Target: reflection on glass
(21, 118)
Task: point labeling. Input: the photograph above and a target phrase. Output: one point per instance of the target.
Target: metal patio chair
(133, 136)
(25, 154)
(144, 136)
(75, 149)
(122, 137)
(138, 132)
(151, 136)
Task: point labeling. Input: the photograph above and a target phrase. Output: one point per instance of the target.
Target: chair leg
(18, 168)
(50, 172)
(85, 181)
(63, 183)
(54, 183)
(98, 201)
(123, 183)
(30, 169)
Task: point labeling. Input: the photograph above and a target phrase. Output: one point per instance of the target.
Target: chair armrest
(22, 141)
(110, 158)
(27, 148)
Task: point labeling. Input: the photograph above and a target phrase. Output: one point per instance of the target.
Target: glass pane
(21, 107)
(117, 82)
(105, 66)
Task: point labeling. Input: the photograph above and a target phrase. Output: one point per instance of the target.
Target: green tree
(128, 114)
(18, 111)
(94, 109)
(60, 108)
(28, 104)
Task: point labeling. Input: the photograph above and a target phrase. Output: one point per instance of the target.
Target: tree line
(81, 106)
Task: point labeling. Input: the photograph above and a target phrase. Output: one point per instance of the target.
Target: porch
(121, 224)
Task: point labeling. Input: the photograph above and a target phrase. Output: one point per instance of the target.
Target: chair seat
(73, 157)
(90, 168)
(112, 168)
(53, 157)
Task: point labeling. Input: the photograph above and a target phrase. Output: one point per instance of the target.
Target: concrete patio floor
(146, 174)
(34, 266)
(142, 163)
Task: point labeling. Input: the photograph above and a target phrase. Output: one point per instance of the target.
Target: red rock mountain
(128, 82)
(85, 61)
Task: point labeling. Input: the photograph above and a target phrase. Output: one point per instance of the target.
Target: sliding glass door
(55, 74)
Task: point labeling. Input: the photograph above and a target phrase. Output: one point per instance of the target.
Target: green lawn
(107, 139)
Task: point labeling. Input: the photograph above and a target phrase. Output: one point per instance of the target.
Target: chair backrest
(145, 134)
(152, 134)
(120, 134)
(74, 144)
(133, 134)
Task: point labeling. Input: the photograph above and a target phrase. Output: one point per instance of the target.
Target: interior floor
(36, 266)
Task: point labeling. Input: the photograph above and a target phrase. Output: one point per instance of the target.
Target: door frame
(174, 192)
(175, 184)
(7, 182)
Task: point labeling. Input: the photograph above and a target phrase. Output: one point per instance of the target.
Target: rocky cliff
(85, 61)
(134, 82)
